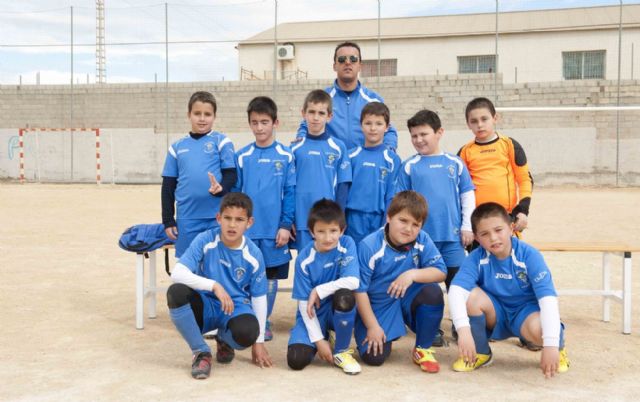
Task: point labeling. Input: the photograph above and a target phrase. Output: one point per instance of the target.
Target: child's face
(373, 128)
(233, 223)
(326, 235)
(201, 117)
(403, 227)
(482, 123)
(262, 127)
(317, 116)
(425, 140)
(494, 235)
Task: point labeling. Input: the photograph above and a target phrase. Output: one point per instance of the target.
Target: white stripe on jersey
(378, 254)
(298, 145)
(457, 161)
(419, 246)
(340, 248)
(250, 259)
(211, 245)
(307, 261)
(242, 155)
(368, 99)
(516, 262)
(407, 166)
(356, 152)
(485, 260)
(283, 152)
(388, 158)
(335, 146)
(223, 143)
(333, 92)
(172, 152)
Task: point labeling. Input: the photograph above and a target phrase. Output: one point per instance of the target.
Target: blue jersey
(374, 172)
(380, 264)
(521, 278)
(189, 160)
(321, 163)
(314, 268)
(441, 179)
(268, 176)
(241, 271)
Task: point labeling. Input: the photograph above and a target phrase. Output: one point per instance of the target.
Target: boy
(444, 181)
(497, 164)
(374, 171)
(198, 171)
(400, 268)
(504, 289)
(326, 275)
(322, 164)
(219, 283)
(266, 173)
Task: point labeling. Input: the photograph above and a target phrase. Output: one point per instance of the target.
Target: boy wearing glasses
(349, 97)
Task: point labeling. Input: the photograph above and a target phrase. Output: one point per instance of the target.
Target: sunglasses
(343, 59)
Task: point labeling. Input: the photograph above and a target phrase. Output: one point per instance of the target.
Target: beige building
(533, 46)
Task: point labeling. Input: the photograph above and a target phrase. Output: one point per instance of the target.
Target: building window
(583, 65)
(388, 67)
(476, 64)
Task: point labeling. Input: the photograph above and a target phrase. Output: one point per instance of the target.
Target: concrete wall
(563, 148)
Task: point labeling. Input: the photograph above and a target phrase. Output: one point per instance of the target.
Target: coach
(349, 97)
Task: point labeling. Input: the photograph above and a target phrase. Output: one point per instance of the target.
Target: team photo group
(375, 236)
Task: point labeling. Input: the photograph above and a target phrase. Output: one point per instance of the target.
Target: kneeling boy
(326, 275)
(400, 268)
(504, 289)
(220, 284)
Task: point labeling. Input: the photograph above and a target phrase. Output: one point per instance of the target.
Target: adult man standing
(349, 97)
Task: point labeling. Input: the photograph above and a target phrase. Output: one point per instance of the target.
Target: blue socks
(272, 291)
(343, 323)
(185, 322)
(427, 321)
(479, 332)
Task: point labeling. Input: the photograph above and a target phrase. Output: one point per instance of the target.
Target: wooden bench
(607, 249)
(150, 289)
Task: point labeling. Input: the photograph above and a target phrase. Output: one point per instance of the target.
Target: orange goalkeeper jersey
(500, 173)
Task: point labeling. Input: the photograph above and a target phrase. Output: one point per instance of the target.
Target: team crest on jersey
(278, 165)
(452, 171)
(416, 260)
(209, 147)
(331, 158)
(238, 273)
(384, 172)
(523, 279)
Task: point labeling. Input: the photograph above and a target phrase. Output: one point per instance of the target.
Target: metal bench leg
(626, 296)
(140, 291)
(606, 286)
(152, 284)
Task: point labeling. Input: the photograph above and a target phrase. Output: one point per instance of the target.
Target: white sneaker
(346, 362)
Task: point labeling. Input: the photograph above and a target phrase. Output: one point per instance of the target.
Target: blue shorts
(299, 334)
(452, 252)
(509, 320)
(214, 318)
(362, 224)
(188, 229)
(273, 255)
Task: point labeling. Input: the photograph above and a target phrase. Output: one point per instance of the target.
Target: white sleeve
(329, 288)
(312, 324)
(259, 305)
(182, 274)
(458, 306)
(467, 204)
(550, 321)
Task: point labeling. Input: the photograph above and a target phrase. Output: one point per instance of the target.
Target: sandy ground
(68, 331)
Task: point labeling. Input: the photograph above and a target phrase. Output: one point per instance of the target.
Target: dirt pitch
(68, 332)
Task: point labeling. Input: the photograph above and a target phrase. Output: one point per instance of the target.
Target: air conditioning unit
(285, 52)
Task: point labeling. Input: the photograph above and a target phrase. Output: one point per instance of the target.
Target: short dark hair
(346, 44)
(488, 210)
(375, 109)
(318, 96)
(264, 105)
(238, 200)
(204, 97)
(479, 103)
(326, 211)
(411, 201)
(425, 117)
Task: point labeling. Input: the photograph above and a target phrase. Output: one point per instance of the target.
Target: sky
(35, 35)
